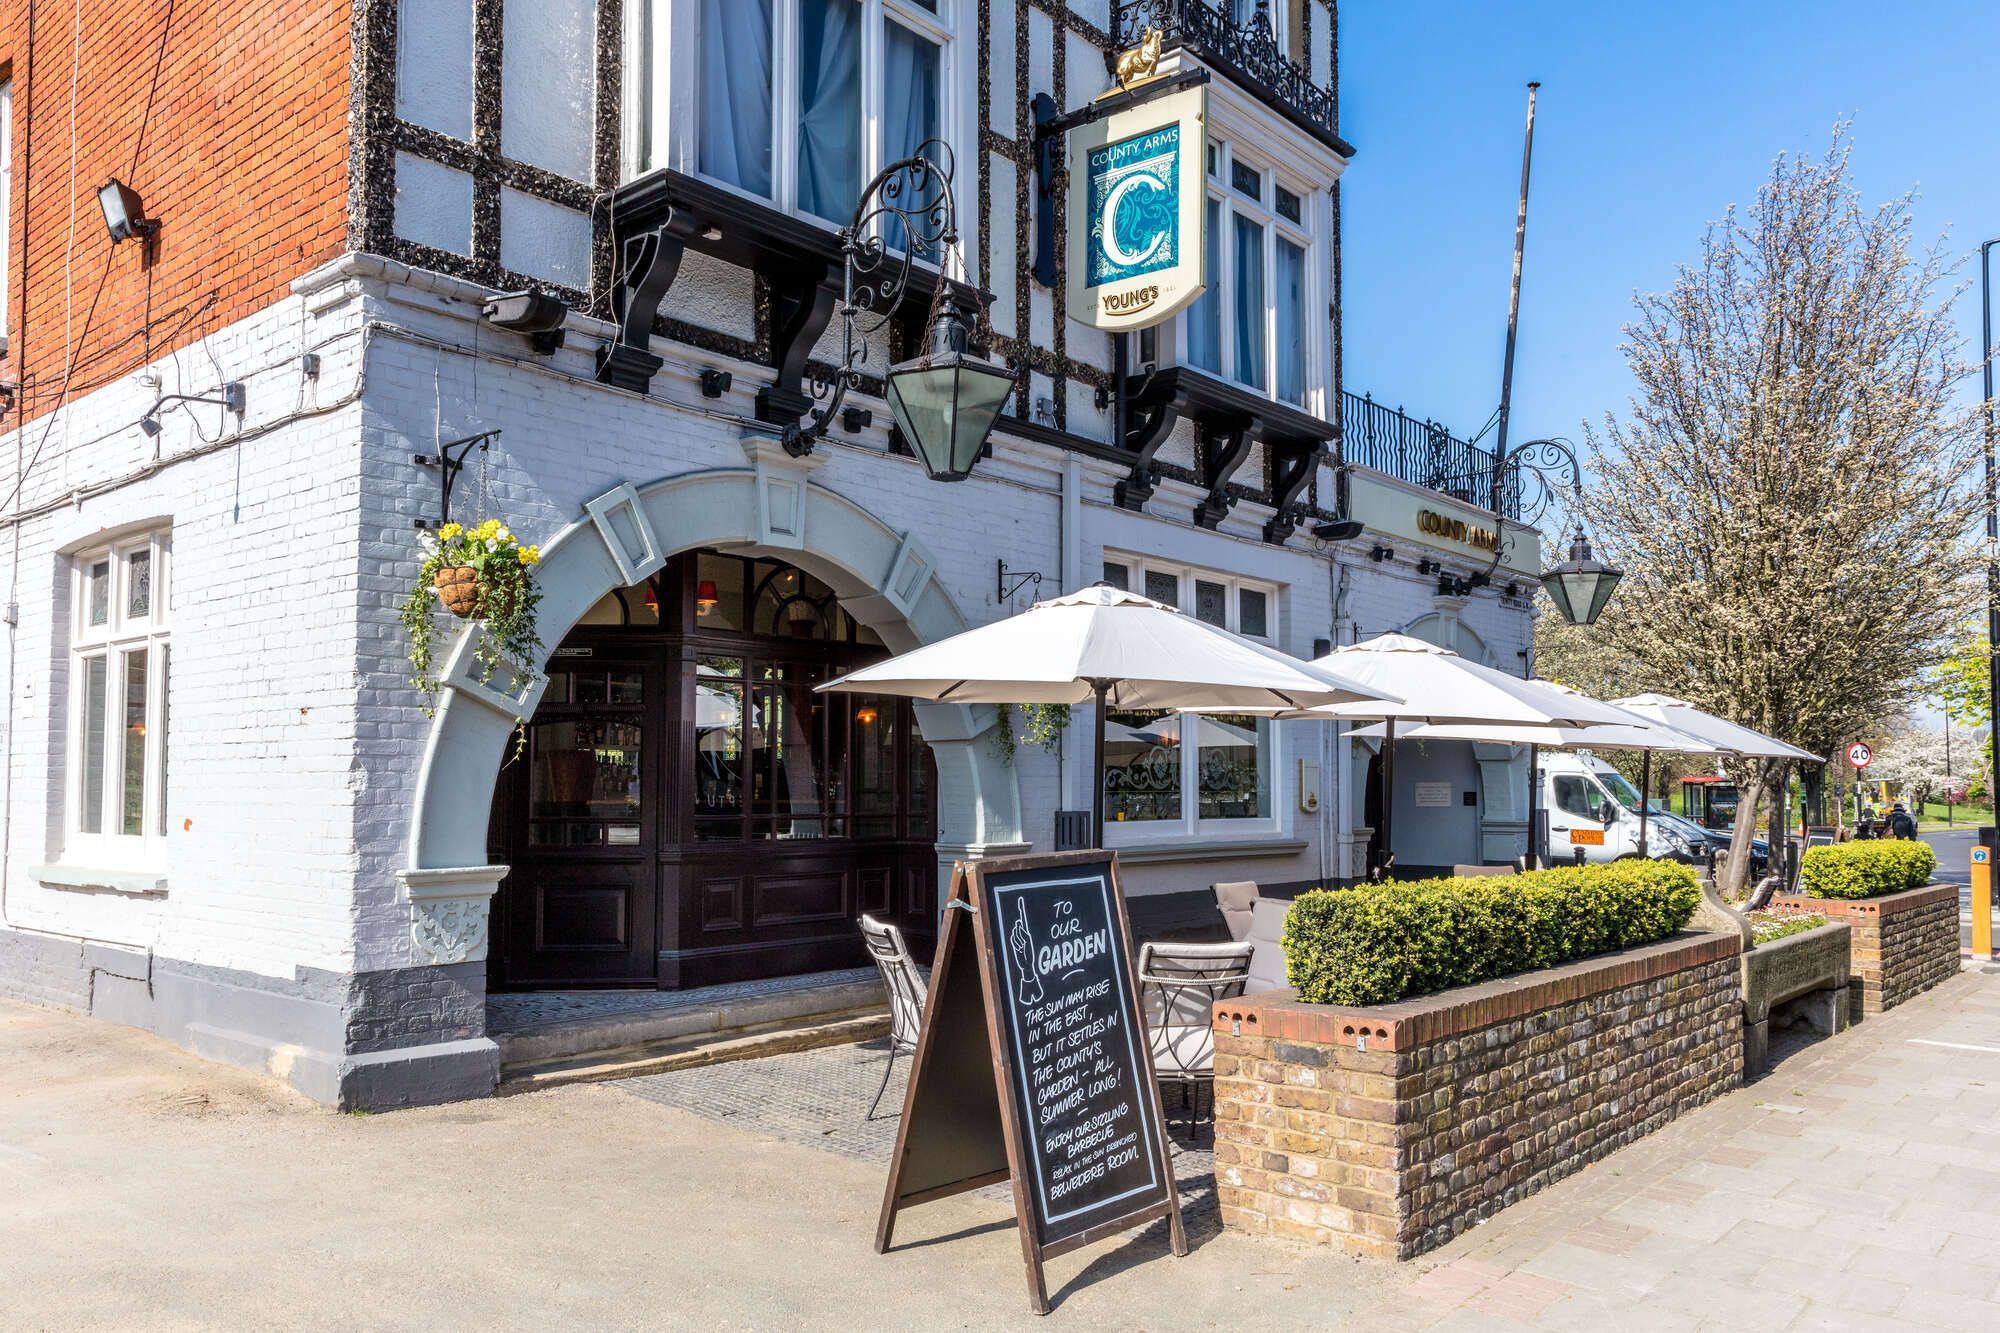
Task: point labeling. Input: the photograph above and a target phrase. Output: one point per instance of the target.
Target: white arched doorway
(884, 579)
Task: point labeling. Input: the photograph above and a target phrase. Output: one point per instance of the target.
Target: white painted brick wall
(295, 738)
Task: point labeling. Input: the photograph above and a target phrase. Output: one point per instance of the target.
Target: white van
(1588, 806)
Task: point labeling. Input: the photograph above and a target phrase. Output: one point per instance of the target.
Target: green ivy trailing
(1377, 943)
(1043, 726)
(508, 599)
(1868, 868)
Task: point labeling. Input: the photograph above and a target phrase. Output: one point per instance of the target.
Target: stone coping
(1281, 1015)
(1863, 909)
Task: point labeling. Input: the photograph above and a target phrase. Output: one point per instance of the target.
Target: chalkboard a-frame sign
(1033, 1064)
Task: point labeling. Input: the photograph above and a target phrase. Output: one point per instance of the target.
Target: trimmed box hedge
(1376, 943)
(1866, 869)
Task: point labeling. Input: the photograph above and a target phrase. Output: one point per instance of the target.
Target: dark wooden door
(580, 906)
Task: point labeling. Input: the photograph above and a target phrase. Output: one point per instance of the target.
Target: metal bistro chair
(1178, 986)
(907, 990)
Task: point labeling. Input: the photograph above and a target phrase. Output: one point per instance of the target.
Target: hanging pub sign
(1033, 1065)
(1136, 194)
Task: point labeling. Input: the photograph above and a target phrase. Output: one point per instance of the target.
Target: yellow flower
(449, 531)
(521, 554)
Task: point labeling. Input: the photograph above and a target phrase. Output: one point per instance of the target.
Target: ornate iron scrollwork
(906, 213)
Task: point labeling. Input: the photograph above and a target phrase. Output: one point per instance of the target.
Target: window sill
(1208, 850)
(93, 879)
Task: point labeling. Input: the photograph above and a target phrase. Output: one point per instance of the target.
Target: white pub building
(230, 819)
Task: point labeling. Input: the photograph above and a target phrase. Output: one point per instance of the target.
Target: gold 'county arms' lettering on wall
(1431, 522)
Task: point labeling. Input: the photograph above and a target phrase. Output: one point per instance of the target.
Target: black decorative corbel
(1224, 445)
(648, 263)
(1293, 463)
(802, 305)
(1143, 439)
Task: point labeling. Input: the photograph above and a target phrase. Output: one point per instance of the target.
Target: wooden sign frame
(963, 1125)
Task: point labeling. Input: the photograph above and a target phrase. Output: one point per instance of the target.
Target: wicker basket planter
(458, 588)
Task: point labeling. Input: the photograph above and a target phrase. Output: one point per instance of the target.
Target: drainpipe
(1069, 536)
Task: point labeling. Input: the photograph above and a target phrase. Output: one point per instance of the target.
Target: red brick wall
(243, 159)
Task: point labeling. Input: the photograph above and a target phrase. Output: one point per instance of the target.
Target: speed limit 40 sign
(1859, 755)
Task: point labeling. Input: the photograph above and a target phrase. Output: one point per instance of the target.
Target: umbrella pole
(1388, 796)
(1098, 688)
(1534, 803)
(1645, 785)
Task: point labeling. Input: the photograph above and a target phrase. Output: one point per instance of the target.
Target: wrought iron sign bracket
(1022, 578)
(450, 461)
(1051, 129)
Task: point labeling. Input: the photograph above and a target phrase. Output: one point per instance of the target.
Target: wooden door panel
(585, 917)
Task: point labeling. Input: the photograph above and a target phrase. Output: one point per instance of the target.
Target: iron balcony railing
(1239, 39)
(1422, 453)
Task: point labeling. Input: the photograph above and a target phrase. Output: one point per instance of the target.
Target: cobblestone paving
(818, 1098)
(511, 1015)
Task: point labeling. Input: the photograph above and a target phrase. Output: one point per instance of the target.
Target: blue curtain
(1249, 303)
(734, 135)
(1290, 281)
(829, 107)
(1204, 317)
(910, 107)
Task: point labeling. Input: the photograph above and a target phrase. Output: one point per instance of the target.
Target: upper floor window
(120, 613)
(1240, 606)
(6, 195)
(799, 102)
(1251, 325)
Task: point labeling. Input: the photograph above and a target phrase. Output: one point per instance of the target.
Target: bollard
(1982, 893)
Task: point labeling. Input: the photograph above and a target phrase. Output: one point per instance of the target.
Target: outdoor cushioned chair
(1178, 986)
(907, 990)
(1266, 941)
(1235, 898)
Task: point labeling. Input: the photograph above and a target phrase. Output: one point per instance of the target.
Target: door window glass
(1577, 797)
(584, 783)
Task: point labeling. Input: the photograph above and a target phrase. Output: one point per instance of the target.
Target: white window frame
(673, 65)
(1191, 824)
(6, 200)
(119, 635)
(1240, 128)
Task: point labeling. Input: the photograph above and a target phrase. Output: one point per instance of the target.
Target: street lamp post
(1992, 514)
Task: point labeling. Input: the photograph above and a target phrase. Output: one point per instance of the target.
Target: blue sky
(1652, 120)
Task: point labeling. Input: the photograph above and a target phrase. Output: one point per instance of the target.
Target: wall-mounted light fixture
(715, 383)
(1381, 553)
(537, 316)
(124, 212)
(705, 597)
(231, 399)
(1340, 530)
(854, 420)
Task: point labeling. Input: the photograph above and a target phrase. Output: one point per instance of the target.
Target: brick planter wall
(1903, 943)
(1389, 1130)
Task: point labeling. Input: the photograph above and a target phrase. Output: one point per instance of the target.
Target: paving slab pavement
(1858, 1186)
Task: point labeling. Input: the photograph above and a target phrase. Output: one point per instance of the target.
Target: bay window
(1251, 325)
(799, 102)
(1186, 773)
(120, 616)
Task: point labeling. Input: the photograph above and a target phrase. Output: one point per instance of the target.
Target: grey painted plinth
(1813, 963)
(411, 1036)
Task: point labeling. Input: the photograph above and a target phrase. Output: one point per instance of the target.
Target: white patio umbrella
(1639, 733)
(1439, 686)
(1727, 736)
(1111, 648)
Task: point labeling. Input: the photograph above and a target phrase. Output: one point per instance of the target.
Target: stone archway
(885, 579)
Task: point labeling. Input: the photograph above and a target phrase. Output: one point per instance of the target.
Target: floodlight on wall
(1340, 530)
(124, 212)
(535, 315)
(230, 399)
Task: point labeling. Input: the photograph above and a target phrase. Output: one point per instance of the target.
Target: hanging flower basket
(479, 573)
